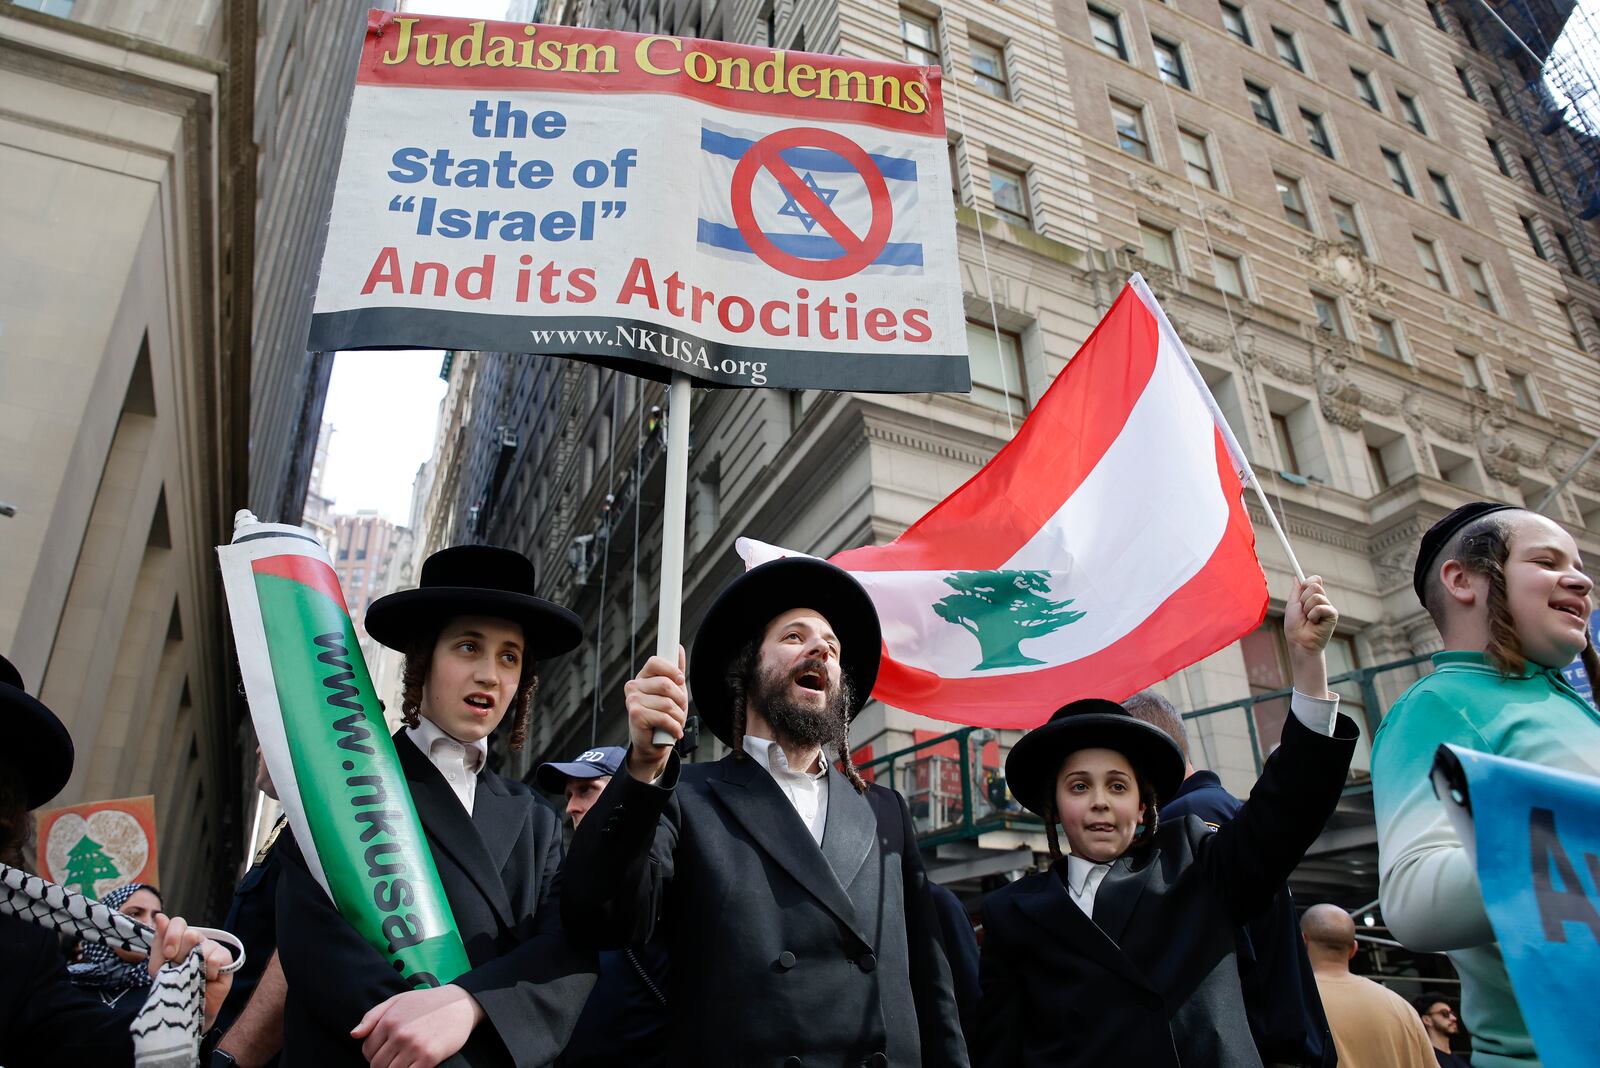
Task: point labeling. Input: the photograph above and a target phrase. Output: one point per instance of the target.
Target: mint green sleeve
(1427, 886)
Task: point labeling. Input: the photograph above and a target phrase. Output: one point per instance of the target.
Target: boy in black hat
(1123, 952)
(1507, 589)
(472, 634)
(44, 1018)
(790, 895)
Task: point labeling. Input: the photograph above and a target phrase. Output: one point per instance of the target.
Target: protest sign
(328, 750)
(744, 216)
(98, 846)
(1534, 833)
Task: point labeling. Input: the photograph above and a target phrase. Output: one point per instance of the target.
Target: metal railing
(957, 795)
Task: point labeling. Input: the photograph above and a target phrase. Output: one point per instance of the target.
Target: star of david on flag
(825, 212)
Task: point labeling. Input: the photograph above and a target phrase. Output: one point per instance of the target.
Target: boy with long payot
(1507, 589)
(472, 635)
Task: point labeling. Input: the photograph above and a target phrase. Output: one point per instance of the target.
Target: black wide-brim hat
(40, 740)
(475, 580)
(1091, 723)
(742, 611)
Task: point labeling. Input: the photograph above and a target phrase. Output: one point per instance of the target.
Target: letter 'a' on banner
(748, 217)
(1534, 835)
(328, 749)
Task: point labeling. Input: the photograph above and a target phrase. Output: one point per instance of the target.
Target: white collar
(1079, 870)
(774, 759)
(430, 737)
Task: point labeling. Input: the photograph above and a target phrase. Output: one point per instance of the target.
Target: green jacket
(1427, 885)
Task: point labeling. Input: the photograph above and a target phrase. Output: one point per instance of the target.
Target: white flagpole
(1245, 471)
(672, 523)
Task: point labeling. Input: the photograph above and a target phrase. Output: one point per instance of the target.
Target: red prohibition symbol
(859, 251)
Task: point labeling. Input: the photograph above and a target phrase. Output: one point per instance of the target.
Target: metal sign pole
(672, 523)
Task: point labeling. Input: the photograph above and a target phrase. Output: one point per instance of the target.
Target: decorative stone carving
(1341, 265)
(1152, 190)
(1394, 566)
(1203, 340)
(1338, 396)
(1223, 221)
(1272, 365)
(1500, 454)
(1411, 410)
(1461, 322)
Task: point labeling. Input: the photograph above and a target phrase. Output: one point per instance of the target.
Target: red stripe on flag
(1222, 602)
(982, 525)
(306, 570)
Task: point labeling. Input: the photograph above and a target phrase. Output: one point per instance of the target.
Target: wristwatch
(221, 1058)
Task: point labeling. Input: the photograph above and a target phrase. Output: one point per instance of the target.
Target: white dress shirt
(1084, 876)
(459, 762)
(807, 791)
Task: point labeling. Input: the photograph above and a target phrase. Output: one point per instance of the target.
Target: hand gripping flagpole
(672, 522)
(328, 749)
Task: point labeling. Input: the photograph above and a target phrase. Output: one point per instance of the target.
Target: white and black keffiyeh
(166, 1033)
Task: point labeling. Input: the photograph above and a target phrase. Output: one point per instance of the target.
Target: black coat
(44, 1019)
(1280, 991)
(499, 869)
(783, 953)
(1152, 980)
(253, 918)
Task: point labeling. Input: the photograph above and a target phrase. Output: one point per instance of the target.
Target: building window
(1378, 469)
(1288, 50)
(1197, 158)
(1428, 256)
(1466, 83)
(1158, 245)
(1438, 16)
(996, 362)
(1285, 443)
(1317, 132)
(1234, 22)
(1411, 112)
(1131, 136)
(919, 36)
(989, 66)
(1344, 216)
(1261, 106)
(1499, 157)
(1388, 337)
(1468, 34)
(1478, 281)
(1471, 370)
(955, 174)
(1397, 171)
(1009, 188)
(1498, 92)
(1106, 28)
(1294, 204)
(1169, 62)
(1365, 89)
(1336, 14)
(1444, 194)
(1380, 37)
(1328, 317)
(1571, 314)
(769, 25)
(1532, 172)
(1564, 243)
(1533, 237)
(1229, 273)
(1522, 391)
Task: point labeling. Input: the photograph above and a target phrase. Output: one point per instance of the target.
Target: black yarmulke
(1441, 532)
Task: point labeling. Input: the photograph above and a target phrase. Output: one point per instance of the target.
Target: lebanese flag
(1105, 547)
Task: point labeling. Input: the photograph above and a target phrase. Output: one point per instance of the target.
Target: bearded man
(789, 894)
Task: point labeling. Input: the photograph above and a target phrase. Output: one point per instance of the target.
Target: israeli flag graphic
(785, 219)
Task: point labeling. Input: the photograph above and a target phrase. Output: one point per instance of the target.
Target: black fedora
(1091, 723)
(40, 738)
(475, 580)
(749, 603)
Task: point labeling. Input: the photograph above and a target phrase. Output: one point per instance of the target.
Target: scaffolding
(1547, 50)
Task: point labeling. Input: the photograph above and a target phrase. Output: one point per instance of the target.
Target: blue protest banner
(1535, 836)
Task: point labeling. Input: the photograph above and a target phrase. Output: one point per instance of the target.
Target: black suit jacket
(499, 868)
(44, 1019)
(782, 953)
(1152, 979)
(1280, 991)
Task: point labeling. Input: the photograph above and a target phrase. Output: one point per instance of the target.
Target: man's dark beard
(793, 722)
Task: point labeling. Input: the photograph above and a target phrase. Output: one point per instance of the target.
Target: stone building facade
(167, 173)
(1379, 294)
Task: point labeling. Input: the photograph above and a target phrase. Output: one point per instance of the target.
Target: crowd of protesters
(772, 908)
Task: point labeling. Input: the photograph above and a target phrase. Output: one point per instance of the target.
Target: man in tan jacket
(1373, 1027)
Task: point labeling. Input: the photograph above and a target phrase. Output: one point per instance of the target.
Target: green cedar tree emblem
(1003, 609)
(87, 864)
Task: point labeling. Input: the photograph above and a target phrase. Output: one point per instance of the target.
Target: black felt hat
(742, 611)
(475, 580)
(1439, 535)
(1091, 723)
(39, 738)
